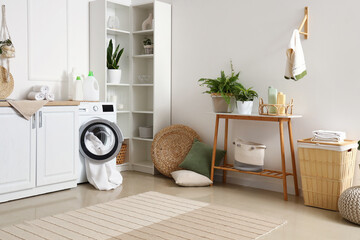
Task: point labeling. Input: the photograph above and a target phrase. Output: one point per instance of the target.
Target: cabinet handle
(34, 121)
(40, 119)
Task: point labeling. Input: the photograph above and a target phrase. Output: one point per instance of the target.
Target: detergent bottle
(78, 89)
(91, 88)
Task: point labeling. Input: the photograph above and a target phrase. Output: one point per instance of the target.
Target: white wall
(255, 34)
(50, 38)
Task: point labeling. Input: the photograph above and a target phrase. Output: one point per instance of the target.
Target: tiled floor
(303, 222)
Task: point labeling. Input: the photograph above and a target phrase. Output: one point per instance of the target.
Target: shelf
(265, 172)
(123, 111)
(144, 32)
(143, 139)
(143, 85)
(126, 138)
(146, 112)
(118, 84)
(116, 31)
(144, 56)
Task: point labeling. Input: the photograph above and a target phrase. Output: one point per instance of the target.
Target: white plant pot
(114, 75)
(244, 108)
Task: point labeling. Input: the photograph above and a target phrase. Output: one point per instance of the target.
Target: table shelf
(265, 172)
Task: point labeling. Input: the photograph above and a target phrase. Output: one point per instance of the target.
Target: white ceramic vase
(114, 75)
(244, 108)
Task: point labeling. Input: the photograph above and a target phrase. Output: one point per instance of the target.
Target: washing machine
(97, 121)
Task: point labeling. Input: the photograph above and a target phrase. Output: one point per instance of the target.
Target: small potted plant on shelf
(222, 90)
(113, 58)
(148, 46)
(245, 100)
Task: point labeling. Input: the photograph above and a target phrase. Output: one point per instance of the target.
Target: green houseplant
(223, 90)
(148, 46)
(245, 99)
(112, 63)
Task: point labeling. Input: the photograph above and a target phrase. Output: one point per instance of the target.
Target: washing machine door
(100, 140)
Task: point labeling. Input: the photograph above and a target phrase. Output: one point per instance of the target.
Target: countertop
(54, 103)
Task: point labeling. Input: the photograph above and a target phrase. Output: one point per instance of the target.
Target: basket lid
(335, 146)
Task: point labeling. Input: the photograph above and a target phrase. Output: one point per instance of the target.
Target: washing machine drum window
(100, 140)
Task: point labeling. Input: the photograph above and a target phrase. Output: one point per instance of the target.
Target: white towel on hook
(295, 61)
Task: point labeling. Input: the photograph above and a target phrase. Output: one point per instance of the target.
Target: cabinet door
(57, 145)
(17, 151)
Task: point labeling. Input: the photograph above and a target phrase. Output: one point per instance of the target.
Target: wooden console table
(266, 172)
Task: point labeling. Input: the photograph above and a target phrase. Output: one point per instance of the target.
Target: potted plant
(148, 46)
(245, 99)
(222, 90)
(113, 58)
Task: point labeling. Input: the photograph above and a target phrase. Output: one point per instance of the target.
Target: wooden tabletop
(53, 103)
(256, 117)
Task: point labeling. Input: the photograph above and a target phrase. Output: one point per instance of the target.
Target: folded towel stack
(41, 92)
(328, 136)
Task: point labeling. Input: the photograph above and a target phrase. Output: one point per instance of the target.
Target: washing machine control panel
(88, 108)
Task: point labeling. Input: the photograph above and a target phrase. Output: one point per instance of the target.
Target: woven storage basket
(326, 171)
(170, 147)
(120, 158)
(6, 84)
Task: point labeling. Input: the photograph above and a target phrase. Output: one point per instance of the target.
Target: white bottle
(71, 82)
(78, 89)
(91, 88)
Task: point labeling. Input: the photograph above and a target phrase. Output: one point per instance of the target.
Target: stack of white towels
(328, 136)
(41, 92)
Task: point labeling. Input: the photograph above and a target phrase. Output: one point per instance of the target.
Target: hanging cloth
(7, 49)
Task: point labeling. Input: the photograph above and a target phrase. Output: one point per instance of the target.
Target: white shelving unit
(144, 103)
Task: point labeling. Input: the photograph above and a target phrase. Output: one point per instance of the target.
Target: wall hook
(305, 24)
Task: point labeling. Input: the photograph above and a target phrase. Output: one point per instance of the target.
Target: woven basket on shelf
(120, 158)
(170, 147)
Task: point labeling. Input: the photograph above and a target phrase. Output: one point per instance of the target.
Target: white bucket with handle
(249, 156)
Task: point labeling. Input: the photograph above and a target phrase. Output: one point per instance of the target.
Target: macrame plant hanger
(6, 45)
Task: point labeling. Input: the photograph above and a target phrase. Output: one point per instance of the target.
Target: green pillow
(199, 158)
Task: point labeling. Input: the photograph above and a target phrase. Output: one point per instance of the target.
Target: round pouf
(349, 204)
(170, 147)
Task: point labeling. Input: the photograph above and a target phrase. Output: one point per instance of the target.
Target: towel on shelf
(50, 96)
(41, 88)
(27, 108)
(36, 96)
(328, 136)
(295, 61)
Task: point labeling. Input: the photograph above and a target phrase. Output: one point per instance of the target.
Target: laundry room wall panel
(51, 38)
(48, 39)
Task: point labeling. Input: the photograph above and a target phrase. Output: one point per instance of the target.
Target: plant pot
(245, 107)
(221, 106)
(149, 49)
(113, 75)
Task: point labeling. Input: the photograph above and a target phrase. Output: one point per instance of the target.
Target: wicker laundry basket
(327, 169)
(120, 158)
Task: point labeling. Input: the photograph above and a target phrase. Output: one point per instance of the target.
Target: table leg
(293, 158)
(225, 147)
(214, 148)
(283, 158)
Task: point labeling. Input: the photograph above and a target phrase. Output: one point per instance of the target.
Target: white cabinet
(57, 144)
(144, 93)
(39, 155)
(17, 151)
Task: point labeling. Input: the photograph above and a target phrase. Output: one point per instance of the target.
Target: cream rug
(149, 215)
